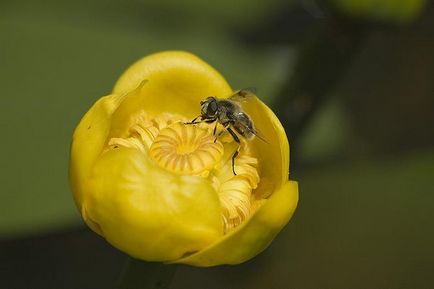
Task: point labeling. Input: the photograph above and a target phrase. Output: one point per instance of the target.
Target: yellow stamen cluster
(187, 149)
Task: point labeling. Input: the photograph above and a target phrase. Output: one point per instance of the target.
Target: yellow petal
(273, 155)
(88, 140)
(176, 82)
(253, 236)
(148, 212)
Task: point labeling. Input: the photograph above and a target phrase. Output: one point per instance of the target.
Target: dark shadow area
(72, 259)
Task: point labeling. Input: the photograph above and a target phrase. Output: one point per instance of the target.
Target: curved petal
(273, 153)
(148, 212)
(253, 236)
(88, 140)
(176, 82)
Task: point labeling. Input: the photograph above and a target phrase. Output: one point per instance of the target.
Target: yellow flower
(162, 190)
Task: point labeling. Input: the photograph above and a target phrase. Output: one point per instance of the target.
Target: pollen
(193, 150)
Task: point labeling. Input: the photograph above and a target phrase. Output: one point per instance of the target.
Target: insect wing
(243, 95)
(259, 135)
(245, 124)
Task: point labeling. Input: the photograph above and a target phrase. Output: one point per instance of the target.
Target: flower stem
(146, 275)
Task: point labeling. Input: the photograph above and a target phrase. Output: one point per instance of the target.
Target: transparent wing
(243, 95)
(246, 126)
(259, 135)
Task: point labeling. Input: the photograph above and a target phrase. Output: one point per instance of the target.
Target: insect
(229, 113)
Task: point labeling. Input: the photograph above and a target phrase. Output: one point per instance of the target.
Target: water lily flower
(163, 190)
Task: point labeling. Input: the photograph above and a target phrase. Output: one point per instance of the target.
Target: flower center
(186, 149)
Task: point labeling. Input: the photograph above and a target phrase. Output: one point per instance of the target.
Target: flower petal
(253, 236)
(148, 212)
(176, 82)
(88, 140)
(273, 153)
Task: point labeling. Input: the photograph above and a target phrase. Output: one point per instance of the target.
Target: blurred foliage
(395, 11)
(223, 13)
(324, 59)
(327, 135)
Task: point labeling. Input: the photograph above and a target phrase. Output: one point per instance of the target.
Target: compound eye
(212, 107)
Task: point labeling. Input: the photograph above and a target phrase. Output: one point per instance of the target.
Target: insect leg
(234, 135)
(194, 120)
(225, 127)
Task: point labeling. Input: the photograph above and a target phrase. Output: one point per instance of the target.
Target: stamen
(187, 149)
(179, 144)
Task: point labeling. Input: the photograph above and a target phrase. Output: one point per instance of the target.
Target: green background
(364, 159)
